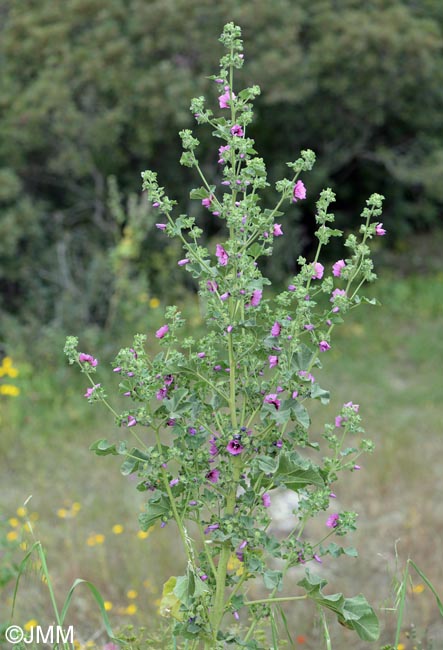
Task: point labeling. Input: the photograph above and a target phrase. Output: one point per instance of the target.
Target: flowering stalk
(229, 409)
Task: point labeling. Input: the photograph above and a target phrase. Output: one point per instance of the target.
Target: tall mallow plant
(229, 411)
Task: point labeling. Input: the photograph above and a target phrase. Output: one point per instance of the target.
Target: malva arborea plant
(229, 411)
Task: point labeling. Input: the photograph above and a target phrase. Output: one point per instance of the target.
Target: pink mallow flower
(162, 331)
(256, 297)
(332, 520)
(87, 358)
(212, 285)
(224, 99)
(273, 361)
(266, 499)
(318, 271)
(338, 267)
(222, 255)
(234, 447)
(272, 399)
(91, 389)
(213, 475)
(276, 329)
(237, 130)
(379, 230)
(299, 191)
(183, 262)
(207, 201)
(221, 151)
(131, 421)
(324, 346)
(277, 231)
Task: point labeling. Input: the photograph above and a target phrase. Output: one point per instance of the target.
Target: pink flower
(276, 329)
(160, 226)
(224, 99)
(336, 293)
(207, 201)
(277, 231)
(222, 255)
(273, 361)
(294, 394)
(379, 230)
(221, 151)
(213, 475)
(131, 421)
(201, 355)
(212, 286)
(237, 130)
(183, 262)
(332, 521)
(318, 271)
(234, 447)
(299, 191)
(256, 297)
(338, 267)
(339, 421)
(91, 389)
(87, 358)
(304, 374)
(162, 393)
(266, 499)
(272, 399)
(225, 296)
(354, 407)
(324, 346)
(162, 331)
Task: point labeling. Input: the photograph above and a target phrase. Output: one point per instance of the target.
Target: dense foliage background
(94, 89)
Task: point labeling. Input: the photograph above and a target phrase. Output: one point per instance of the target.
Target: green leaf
(360, 616)
(104, 448)
(267, 464)
(273, 579)
(158, 507)
(170, 604)
(301, 414)
(320, 393)
(133, 462)
(200, 193)
(302, 358)
(354, 613)
(296, 472)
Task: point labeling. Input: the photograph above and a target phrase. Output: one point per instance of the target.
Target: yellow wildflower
(401, 646)
(117, 529)
(62, 513)
(418, 589)
(12, 536)
(131, 609)
(14, 522)
(143, 534)
(22, 511)
(8, 389)
(154, 303)
(76, 506)
(107, 605)
(99, 539)
(30, 624)
(131, 594)
(91, 540)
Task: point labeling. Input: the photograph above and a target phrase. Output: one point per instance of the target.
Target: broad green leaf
(301, 414)
(104, 448)
(267, 464)
(169, 603)
(134, 461)
(273, 579)
(296, 472)
(320, 393)
(360, 616)
(156, 508)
